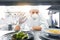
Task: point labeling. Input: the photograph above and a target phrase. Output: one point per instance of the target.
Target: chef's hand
(17, 28)
(22, 18)
(37, 28)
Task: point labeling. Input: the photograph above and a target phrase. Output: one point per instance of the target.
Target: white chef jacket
(30, 23)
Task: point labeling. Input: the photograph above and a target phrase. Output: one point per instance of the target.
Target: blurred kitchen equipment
(4, 27)
(45, 36)
(17, 17)
(53, 10)
(52, 31)
(10, 27)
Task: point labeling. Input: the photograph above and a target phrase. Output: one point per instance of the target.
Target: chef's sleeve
(43, 23)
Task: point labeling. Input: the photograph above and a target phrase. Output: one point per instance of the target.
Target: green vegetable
(24, 37)
(20, 35)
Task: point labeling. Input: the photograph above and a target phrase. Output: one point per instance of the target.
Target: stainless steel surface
(45, 36)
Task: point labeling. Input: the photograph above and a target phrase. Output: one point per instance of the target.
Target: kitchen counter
(6, 35)
(45, 36)
(3, 35)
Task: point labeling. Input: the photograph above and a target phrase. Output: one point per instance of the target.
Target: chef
(34, 22)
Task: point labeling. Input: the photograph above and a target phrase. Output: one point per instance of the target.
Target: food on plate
(53, 31)
(20, 36)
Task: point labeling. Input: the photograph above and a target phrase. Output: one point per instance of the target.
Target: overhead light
(23, 4)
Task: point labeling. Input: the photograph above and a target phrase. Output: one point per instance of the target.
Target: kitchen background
(10, 8)
(5, 11)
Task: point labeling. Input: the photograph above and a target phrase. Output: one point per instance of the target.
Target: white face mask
(35, 16)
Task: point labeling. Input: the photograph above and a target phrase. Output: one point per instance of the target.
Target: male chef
(35, 21)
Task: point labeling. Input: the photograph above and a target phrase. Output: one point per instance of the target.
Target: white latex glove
(22, 18)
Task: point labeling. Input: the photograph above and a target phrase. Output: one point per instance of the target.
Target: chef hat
(34, 7)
